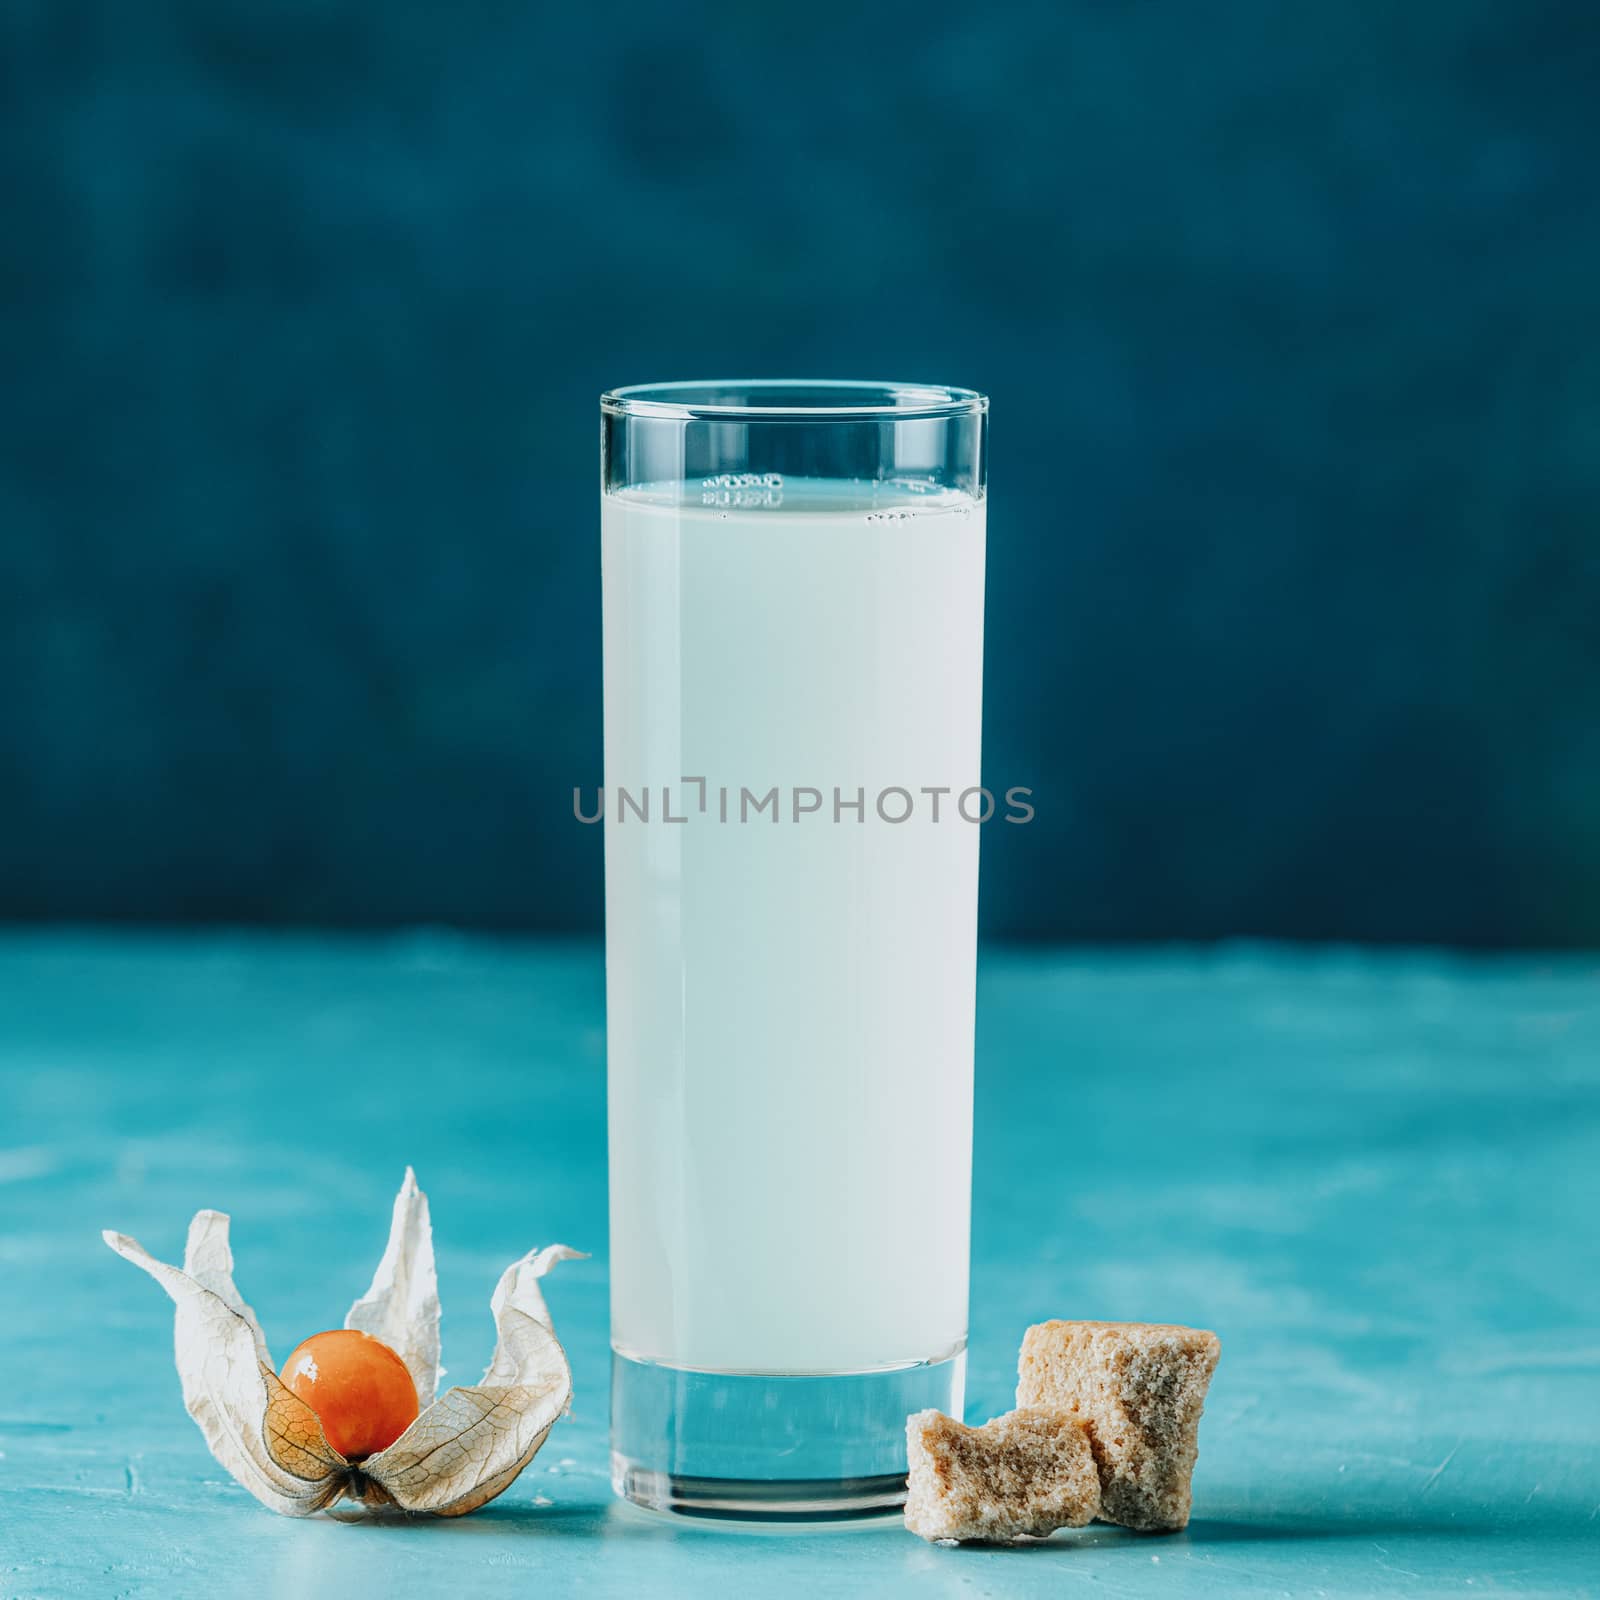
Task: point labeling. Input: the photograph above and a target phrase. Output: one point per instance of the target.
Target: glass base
(763, 1447)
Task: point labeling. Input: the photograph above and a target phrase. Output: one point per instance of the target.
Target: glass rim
(838, 400)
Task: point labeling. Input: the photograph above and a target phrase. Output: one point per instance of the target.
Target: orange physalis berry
(359, 1388)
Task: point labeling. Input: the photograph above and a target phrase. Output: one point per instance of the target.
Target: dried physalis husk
(464, 1448)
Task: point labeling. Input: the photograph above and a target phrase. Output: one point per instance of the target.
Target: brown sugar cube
(1141, 1388)
(1021, 1476)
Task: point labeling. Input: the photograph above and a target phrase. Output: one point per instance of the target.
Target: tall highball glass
(793, 608)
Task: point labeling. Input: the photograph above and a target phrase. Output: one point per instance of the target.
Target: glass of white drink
(793, 608)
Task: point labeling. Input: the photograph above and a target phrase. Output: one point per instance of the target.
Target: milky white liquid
(790, 1005)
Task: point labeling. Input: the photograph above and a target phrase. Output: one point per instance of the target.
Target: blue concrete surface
(1376, 1176)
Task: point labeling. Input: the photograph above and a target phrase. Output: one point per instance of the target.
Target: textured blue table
(1377, 1176)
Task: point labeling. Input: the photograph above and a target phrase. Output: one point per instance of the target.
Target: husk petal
(402, 1305)
(225, 1381)
(472, 1442)
(294, 1436)
(519, 1358)
(208, 1259)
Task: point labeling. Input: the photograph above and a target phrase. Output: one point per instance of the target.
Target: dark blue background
(1288, 313)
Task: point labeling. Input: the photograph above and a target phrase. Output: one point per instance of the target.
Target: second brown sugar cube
(1140, 1389)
